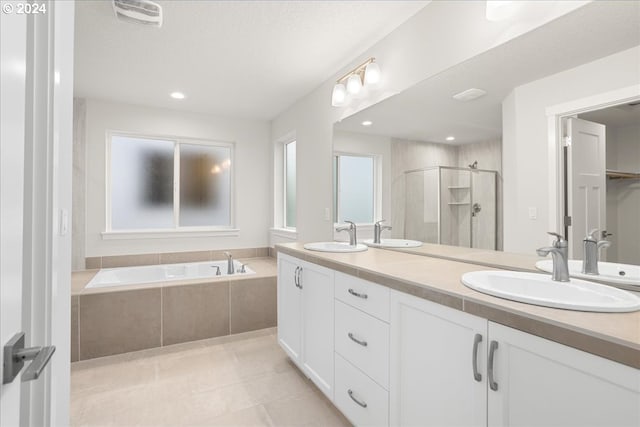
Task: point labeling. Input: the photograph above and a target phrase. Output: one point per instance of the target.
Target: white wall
(623, 196)
(525, 147)
(425, 45)
(251, 166)
(380, 146)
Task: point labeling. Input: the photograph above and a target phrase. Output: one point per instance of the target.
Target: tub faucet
(377, 230)
(560, 254)
(230, 269)
(351, 229)
(591, 250)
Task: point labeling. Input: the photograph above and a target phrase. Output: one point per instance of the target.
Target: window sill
(163, 234)
(285, 233)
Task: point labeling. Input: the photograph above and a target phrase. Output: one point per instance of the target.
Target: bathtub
(108, 277)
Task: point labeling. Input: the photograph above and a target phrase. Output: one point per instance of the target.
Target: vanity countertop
(615, 336)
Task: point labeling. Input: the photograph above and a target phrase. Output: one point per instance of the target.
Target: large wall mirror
(439, 143)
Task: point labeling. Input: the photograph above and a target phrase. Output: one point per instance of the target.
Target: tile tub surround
(615, 336)
(112, 261)
(108, 321)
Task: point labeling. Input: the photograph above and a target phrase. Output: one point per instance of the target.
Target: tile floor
(238, 380)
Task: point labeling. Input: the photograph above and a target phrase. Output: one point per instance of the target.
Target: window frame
(377, 184)
(177, 230)
(284, 184)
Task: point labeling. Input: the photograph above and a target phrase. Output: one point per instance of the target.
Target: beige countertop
(615, 336)
(264, 267)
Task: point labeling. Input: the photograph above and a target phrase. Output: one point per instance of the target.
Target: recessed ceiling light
(451, 138)
(367, 123)
(177, 95)
(469, 94)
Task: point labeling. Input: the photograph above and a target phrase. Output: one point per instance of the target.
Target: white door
(542, 383)
(317, 325)
(12, 143)
(289, 306)
(36, 60)
(586, 187)
(437, 365)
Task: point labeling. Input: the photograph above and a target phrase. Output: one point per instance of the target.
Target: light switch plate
(533, 213)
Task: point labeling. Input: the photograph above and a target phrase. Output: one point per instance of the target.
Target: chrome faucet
(560, 254)
(351, 229)
(230, 269)
(377, 230)
(591, 250)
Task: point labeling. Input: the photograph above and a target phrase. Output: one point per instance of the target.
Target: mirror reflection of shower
(452, 206)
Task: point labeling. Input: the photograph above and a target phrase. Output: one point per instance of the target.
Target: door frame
(555, 145)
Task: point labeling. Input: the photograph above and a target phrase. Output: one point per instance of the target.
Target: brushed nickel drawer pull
(476, 342)
(359, 402)
(492, 350)
(359, 295)
(356, 340)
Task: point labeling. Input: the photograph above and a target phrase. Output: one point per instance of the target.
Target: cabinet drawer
(367, 296)
(359, 398)
(364, 341)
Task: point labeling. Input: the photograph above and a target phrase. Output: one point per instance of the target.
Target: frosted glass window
(161, 184)
(290, 184)
(141, 183)
(354, 188)
(205, 185)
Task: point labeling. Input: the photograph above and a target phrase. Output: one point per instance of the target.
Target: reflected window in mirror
(290, 185)
(354, 195)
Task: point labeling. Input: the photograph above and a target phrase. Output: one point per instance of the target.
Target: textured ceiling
(241, 59)
(427, 111)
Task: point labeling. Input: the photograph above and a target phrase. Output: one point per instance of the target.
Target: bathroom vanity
(393, 338)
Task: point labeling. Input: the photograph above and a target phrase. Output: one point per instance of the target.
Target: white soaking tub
(108, 277)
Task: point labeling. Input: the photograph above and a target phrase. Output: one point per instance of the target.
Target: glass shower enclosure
(451, 206)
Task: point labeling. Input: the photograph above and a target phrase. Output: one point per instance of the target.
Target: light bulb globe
(372, 74)
(339, 95)
(354, 84)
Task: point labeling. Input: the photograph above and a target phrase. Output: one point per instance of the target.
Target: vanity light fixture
(450, 138)
(364, 75)
(367, 123)
(177, 95)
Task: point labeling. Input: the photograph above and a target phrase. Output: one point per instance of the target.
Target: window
(290, 184)
(354, 192)
(160, 184)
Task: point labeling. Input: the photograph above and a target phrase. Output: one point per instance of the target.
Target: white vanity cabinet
(305, 318)
(434, 350)
(543, 383)
(442, 374)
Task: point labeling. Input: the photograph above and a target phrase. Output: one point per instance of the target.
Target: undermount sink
(393, 243)
(619, 274)
(539, 289)
(335, 247)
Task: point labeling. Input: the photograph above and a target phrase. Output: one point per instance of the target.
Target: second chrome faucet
(560, 253)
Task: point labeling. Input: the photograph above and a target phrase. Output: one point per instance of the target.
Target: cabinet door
(289, 307)
(543, 383)
(317, 325)
(432, 380)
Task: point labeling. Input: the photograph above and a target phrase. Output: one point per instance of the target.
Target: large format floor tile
(239, 380)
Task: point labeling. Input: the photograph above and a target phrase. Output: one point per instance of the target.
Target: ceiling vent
(139, 12)
(469, 94)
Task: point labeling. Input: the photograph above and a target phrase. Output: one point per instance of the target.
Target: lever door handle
(14, 356)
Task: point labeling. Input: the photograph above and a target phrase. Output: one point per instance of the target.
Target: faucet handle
(243, 268)
(592, 235)
(380, 222)
(560, 241)
(353, 224)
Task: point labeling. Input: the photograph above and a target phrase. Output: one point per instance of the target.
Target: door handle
(492, 349)
(477, 339)
(295, 277)
(14, 356)
(298, 276)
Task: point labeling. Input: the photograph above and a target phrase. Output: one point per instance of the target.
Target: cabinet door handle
(355, 399)
(492, 349)
(477, 339)
(356, 294)
(356, 340)
(299, 281)
(295, 277)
